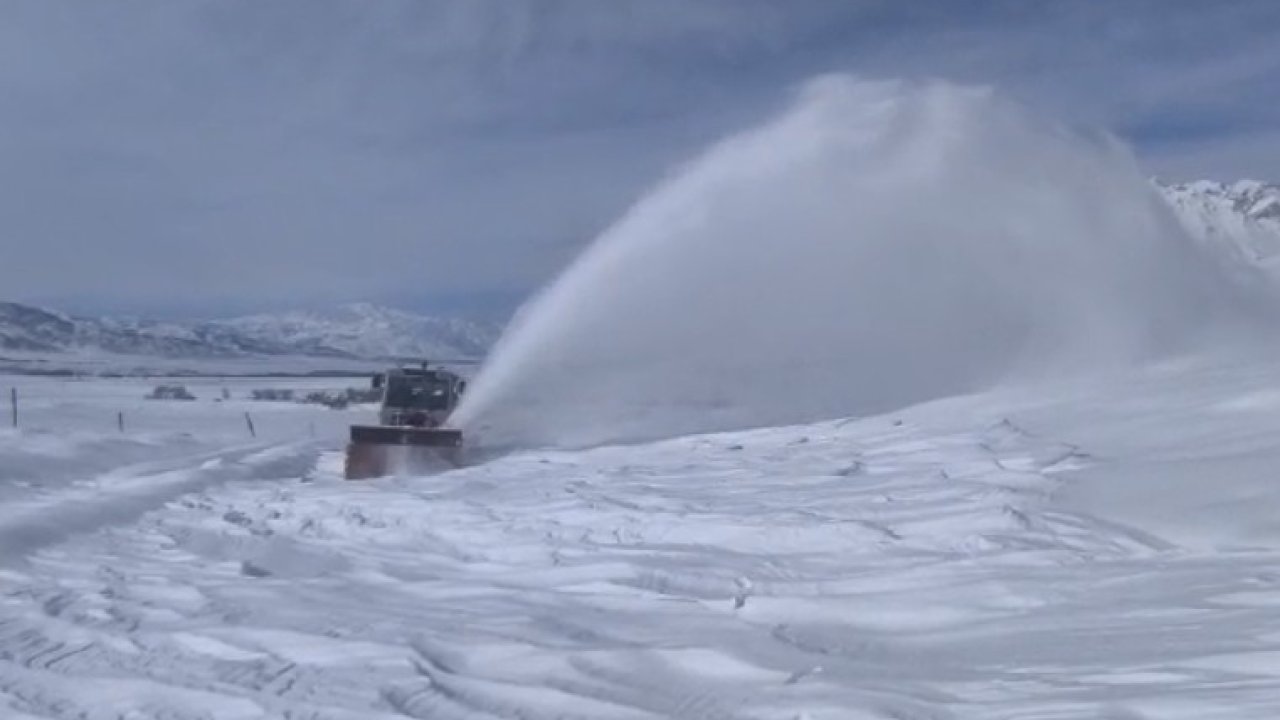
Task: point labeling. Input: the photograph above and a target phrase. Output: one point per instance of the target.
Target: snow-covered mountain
(1241, 218)
(34, 329)
(353, 331)
(364, 330)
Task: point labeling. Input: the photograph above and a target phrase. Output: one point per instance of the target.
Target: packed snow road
(1100, 551)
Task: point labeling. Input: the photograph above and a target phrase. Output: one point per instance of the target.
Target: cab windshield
(418, 393)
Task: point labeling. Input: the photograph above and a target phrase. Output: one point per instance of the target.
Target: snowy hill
(364, 330)
(355, 331)
(1107, 550)
(1241, 218)
(40, 330)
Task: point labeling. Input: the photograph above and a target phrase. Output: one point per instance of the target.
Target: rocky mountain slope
(1241, 218)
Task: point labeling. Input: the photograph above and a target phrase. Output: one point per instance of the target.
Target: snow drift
(875, 245)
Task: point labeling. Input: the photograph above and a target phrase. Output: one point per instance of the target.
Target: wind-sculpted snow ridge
(875, 245)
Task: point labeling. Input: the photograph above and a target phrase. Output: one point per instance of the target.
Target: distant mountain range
(352, 331)
(1240, 219)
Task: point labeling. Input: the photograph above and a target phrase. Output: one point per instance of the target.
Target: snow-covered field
(1099, 550)
(1079, 542)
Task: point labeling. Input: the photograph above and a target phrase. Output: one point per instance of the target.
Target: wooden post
(13, 400)
(120, 420)
(249, 421)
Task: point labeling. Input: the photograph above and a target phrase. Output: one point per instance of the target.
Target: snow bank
(875, 245)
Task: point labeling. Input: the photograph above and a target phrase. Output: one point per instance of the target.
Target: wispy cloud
(197, 154)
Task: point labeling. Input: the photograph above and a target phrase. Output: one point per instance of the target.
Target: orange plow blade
(375, 451)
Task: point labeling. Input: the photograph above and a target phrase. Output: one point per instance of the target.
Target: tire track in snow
(120, 497)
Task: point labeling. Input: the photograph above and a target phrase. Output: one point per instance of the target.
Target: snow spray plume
(876, 245)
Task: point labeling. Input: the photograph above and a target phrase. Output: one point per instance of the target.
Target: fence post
(249, 421)
(13, 400)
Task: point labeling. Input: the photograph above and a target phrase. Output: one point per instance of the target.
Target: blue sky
(196, 158)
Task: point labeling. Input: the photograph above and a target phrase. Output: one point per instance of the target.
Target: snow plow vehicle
(411, 434)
